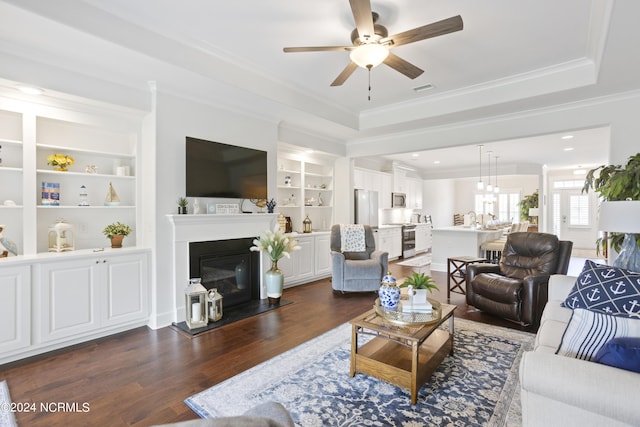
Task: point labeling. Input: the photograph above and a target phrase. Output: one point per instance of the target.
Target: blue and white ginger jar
(389, 293)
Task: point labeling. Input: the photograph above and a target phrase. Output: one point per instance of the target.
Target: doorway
(574, 215)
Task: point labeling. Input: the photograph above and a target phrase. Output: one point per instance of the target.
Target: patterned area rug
(477, 386)
(7, 418)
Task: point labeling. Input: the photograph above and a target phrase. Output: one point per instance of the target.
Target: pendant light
(480, 184)
(489, 186)
(496, 189)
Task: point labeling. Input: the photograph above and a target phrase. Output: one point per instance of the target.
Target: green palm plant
(614, 183)
(420, 281)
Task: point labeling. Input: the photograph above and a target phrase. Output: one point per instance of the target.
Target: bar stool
(457, 271)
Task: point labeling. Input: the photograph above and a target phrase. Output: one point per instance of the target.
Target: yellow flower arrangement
(60, 161)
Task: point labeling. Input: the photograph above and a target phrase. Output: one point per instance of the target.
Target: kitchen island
(457, 241)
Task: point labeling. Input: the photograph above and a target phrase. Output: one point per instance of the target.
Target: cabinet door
(15, 308)
(67, 298)
(323, 255)
(126, 288)
(306, 258)
(396, 243)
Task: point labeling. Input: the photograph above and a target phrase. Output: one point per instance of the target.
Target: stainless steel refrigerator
(366, 207)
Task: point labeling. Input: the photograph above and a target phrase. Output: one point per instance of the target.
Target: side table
(456, 269)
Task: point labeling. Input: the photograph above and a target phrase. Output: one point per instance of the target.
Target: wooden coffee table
(403, 355)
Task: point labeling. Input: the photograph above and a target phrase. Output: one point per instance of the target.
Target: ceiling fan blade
(402, 66)
(361, 10)
(318, 48)
(344, 75)
(434, 29)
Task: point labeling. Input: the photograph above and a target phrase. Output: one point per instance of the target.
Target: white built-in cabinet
(51, 300)
(414, 193)
(305, 188)
(423, 238)
(389, 239)
(55, 301)
(102, 140)
(81, 296)
(371, 180)
(311, 262)
(15, 308)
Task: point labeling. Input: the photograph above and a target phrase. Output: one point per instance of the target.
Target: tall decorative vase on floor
(276, 244)
(274, 282)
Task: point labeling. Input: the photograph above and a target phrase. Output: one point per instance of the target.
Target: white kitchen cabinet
(371, 180)
(423, 238)
(390, 240)
(414, 193)
(80, 296)
(15, 308)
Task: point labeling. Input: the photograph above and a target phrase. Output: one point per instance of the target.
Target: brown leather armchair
(517, 288)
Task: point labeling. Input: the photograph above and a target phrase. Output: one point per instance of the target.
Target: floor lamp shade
(623, 217)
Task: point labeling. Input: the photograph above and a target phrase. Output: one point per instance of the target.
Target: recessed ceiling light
(436, 162)
(415, 155)
(568, 149)
(567, 137)
(30, 90)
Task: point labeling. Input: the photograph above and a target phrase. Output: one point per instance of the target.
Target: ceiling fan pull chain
(369, 68)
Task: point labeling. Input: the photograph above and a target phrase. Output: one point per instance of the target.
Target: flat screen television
(215, 169)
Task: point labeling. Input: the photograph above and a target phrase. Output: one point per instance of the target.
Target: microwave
(398, 200)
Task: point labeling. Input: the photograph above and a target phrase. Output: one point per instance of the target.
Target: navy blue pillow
(623, 353)
(606, 289)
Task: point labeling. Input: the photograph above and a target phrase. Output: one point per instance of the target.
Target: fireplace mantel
(210, 227)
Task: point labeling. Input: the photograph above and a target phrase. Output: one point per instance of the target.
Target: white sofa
(563, 391)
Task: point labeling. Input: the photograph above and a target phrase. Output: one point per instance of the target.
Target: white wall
(176, 119)
(439, 201)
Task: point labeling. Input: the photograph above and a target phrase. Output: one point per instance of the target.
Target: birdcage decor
(61, 237)
(214, 305)
(195, 304)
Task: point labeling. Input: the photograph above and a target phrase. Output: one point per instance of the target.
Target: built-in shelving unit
(102, 140)
(305, 187)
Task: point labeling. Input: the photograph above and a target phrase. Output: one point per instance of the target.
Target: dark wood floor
(141, 377)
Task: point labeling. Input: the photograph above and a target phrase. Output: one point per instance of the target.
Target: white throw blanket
(352, 238)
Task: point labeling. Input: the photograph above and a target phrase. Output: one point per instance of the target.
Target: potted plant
(182, 205)
(420, 284)
(528, 202)
(615, 183)
(276, 244)
(116, 232)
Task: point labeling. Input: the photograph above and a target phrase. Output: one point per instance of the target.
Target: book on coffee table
(417, 307)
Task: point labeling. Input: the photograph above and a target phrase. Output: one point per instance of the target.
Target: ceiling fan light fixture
(369, 55)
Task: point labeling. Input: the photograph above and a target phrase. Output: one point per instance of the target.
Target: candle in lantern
(195, 312)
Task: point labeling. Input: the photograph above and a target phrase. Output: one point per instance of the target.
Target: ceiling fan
(371, 42)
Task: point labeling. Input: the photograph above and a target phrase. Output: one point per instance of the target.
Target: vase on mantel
(274, 282)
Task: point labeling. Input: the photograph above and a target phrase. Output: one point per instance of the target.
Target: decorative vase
(419, 296)
(274, 280)
(116, 241)
(182, 210)
(389, 293)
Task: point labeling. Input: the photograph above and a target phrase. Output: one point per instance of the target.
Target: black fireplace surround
(228, 266)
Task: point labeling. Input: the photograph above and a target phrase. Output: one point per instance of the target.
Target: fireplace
(228, 266)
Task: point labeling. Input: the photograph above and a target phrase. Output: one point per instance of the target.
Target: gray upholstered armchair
(360, 270)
